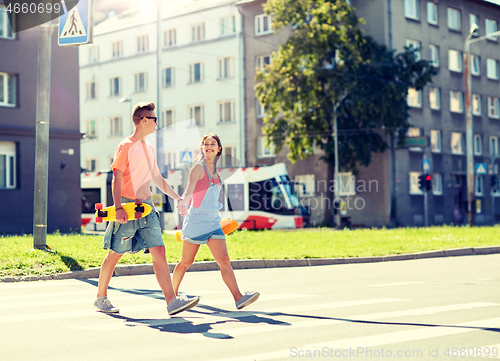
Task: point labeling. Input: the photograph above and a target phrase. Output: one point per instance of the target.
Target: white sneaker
(103, 304)
(248, 298)
(182, 303)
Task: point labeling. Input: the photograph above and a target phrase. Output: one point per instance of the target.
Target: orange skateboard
(228, 226)
(135, 210)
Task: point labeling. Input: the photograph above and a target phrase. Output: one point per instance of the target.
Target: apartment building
(18, 96)
(200, 81)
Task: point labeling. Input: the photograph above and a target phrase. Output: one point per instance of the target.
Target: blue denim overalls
(203, 223)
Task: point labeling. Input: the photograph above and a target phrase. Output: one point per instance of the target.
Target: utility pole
(42, 137)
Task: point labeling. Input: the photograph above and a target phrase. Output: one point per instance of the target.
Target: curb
(142, 269)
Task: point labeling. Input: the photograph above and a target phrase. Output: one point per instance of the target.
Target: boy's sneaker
(103, 304)
(182, 303)
(248, 298)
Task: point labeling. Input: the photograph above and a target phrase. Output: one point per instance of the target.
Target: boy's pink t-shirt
(137, 161)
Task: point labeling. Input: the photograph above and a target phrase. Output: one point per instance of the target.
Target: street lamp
(468, 111)
(127, 100)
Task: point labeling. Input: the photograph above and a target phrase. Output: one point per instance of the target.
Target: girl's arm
(194, 176)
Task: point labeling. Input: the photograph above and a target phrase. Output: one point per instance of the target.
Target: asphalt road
(429, 309)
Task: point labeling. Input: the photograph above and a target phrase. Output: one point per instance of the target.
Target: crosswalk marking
(397, 284)
(246, 330)
(38, 284)
(377, 340)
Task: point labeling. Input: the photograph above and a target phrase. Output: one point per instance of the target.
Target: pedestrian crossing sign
(186, 156)
(75, 25)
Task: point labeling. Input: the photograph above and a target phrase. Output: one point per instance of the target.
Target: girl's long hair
(201, 155)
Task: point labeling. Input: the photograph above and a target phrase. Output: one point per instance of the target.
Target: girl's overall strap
(208, 173)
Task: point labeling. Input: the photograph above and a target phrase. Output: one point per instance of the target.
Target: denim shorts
(135, 235)
(199, 227)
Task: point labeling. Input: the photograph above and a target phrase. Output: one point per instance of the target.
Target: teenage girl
(202, 223)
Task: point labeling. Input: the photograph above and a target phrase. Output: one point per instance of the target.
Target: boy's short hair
(140, 109)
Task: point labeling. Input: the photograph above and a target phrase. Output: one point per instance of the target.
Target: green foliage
(328, 60)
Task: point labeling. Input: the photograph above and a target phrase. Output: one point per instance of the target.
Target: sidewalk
(141, 269)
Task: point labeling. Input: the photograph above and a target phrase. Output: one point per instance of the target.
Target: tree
(328, 68)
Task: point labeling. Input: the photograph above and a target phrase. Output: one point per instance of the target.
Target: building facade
(18, 97)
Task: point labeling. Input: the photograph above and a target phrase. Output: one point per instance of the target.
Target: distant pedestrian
(134, 167)
(202, 223)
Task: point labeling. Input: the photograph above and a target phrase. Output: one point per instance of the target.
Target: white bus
(96, 188)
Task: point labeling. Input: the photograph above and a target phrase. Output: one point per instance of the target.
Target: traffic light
(421, 181)
(428, 182)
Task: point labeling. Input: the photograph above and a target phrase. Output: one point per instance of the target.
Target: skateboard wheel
(98, 206)
(138, 215)
(98, 219)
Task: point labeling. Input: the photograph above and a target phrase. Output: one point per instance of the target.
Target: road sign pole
(426, 169)
(42, 137)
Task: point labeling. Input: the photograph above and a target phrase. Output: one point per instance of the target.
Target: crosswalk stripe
(376, 340)
(329, 322)
(397, 284)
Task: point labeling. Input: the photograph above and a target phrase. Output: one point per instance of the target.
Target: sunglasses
(154, 118)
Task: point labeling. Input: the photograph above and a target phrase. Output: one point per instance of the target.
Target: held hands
(181, 207)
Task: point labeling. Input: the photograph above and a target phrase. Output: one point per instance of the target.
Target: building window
(491, 27)
(141, 82)
(196, 116)
(456, 101)
(414, 183)
(195, 73)
(91, 90)
(473, 20)
(114, 87)
(260, 110)
(414, 98)
(436, 141)
(262, 61)
(168, 77)
(226, 67)
(437, 184)
(411, 9)
(454, 19)
(413, 133)
(115, 126)
(93, 54)
(478, 144)
(414, 45)
(168, 118)
(91, 165)
(5, 26)
(117, 49)
(169, 38)
(228, 25)
(434, 55)
(142, 43)
(432, 13)
(263, 24)
(264, 151)
(457, 146)
(228, 157)
(435, 98)
(494, 148)
(347, 184)
(7, 165)
(306, 186)
(493, 107)
(91, 131)
(492, 68)
(476, 104)
(455, 60)
(479, 185)
(475, 65)
(226, 112)
(198, 32)
(8, 89)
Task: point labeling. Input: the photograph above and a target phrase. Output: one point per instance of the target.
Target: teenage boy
(134, 167)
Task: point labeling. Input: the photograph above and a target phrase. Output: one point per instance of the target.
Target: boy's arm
(116, 187)
(163, 185)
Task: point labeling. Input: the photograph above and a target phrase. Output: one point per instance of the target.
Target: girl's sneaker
(103, 304)
(248, 298)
